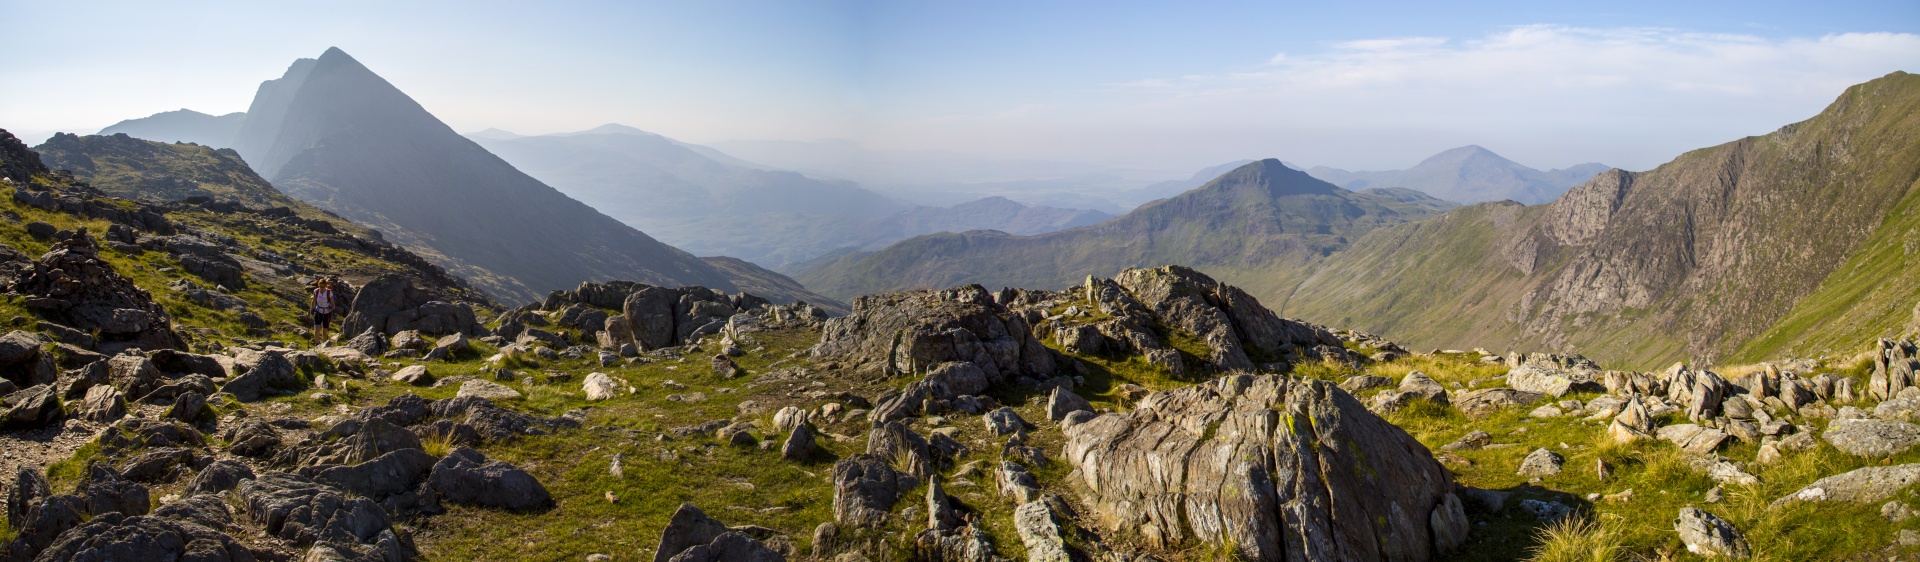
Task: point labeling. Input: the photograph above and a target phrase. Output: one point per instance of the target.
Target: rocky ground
(1157, 415)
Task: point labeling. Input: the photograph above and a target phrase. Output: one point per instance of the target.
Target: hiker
(323, 301)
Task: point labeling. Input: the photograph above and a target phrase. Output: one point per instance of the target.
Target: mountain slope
(183, 125)
(1788, 234)
(1469, 174)
(1260, 216)
(709, 203)
(333, 133)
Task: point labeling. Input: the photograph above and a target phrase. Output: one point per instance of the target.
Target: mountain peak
(610, 129)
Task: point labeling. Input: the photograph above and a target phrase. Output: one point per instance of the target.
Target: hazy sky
(1161, 85)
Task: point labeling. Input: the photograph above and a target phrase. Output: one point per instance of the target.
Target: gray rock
(467, 477)
(902, 448)
(599, 386)
(187, 407)
(1449, 525)
(29, 488)
(1872, 438)
(1062, 402)
(1547, 511)
(1472, 440)
(689, 527)
(156, 465)
(1541, 463)
(1359, 383)
(217, 478)
(1003, 421)
(388, 474)
(1708, 535)
(1419, 385)
(488, 390)
(1862, 485)
(1692, 438)
(865, 488)
(252, 438)
(1487, 401)
(258, 375)
(1267, 516)
(729, 547)
(913, 332)
(1550, 381)
(1898, 409)
(799, 445)
(416, 375)
(45, 521)
(105, 491)
(1038, 531)
(307, 513)
(33, 407)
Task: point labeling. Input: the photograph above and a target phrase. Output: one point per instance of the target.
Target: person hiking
(323, 301)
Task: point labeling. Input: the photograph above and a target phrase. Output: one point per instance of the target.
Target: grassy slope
(1726, 240)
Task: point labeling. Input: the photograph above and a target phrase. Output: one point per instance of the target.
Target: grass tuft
(1577, 539)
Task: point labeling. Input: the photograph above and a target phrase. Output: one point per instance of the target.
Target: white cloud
(1553, 95)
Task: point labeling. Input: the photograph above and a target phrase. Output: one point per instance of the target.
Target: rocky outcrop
(72, 284)
(312, 515)
(394, 303)
(465, 476)
(914, 332)
(1278, 468)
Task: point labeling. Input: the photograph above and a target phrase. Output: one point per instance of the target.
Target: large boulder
(689, 527)
(105, 491)
(73, 285)
(33, 407)
(1872, 438)
(182, 536)
(308, 513)
(45, 521)
(1235, 327)
(466, 477)
(1862, 485)
(1708, 535)
(392, 303)
(914, 331)
(28, 489)
(388, 474)
(1262, 463)
(260, 374)
(865, 488)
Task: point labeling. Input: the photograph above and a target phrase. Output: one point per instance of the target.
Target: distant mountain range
(1261, 217)
(333, 133)
(183, 125)
(705, 201)
(1469, 174)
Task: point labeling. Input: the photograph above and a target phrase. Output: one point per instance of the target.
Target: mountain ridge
(1469, 174)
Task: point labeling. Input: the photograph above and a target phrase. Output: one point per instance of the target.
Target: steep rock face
(1696, 258)
(1260, 216)
(333, 133)
(1280, 468)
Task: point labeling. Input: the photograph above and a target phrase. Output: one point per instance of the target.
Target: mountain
(710, 203)
(1795, 242)
(1162, 190)
(492, 134)
(183, 125)
(1469, 174)
(1260, 218)
(333, 133)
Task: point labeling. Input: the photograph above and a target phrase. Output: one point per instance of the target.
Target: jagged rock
(156, 465)
(309, 514)
(467, 477)
(1893, 369)
(370, 342)
(1541, 463)
(732, 546)
(1472, 440)
(253, 438)
(28, 489)
(1062, 402)
(1708, 535)
(900, 446)
(183, 536)
(1016, 482)
(105, 491)
(1228, 498)
(218, 478)
(45, 521)
(1872, 438)
(388, 474)
(912, 332)
(416, 375)
(256, 374)
(1898, 409)
(1421, 386)
(726, 368)
(799, 445)
(689, 527)
(453, 345)
(1003, 421)
(356, 441)
(1233, 324)
(391, 304)
(1551, 381)
(1355, 384)
(966, 544)
(788, 418)
(865, 488)
(33, 407)
(599, 386)
(1692, 438)
(1862, 485)
(946, 384)
(488, 390)
(75, 287)
(187, 407)
(1720, 470)
(1034, 521)
(1484, 402)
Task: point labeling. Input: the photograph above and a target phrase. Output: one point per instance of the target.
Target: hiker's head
(325, 284)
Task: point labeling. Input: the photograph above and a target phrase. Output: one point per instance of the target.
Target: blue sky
(1151, 85)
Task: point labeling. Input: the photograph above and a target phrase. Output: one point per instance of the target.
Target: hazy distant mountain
(333, 133)
(492, 134)
(1469, 174)
(183, 125)
(705, 204)
(1259, 224)
(1170, 188)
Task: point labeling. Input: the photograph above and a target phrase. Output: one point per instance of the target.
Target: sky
(1141, 85)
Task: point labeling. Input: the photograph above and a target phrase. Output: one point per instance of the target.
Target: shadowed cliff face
(333, 133)
(1690, 260)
